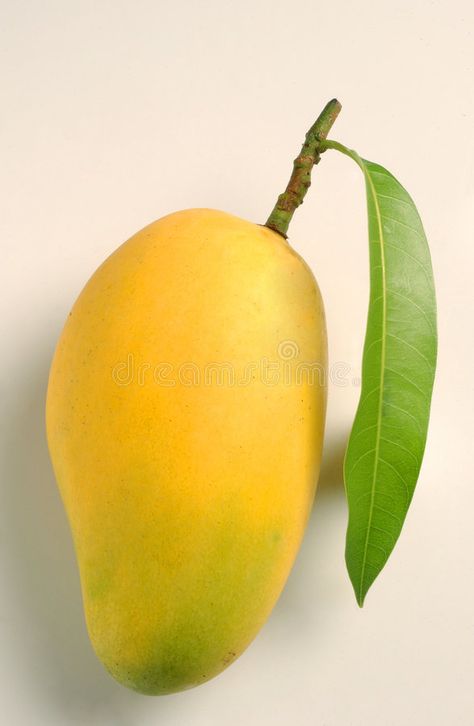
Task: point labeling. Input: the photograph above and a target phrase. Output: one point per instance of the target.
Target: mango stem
(300, 180)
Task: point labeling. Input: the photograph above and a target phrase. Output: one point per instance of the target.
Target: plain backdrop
(115, 113)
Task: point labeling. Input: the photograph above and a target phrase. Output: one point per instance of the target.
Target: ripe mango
(185, 416)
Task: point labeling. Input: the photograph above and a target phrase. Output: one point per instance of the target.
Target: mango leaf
(387, 441)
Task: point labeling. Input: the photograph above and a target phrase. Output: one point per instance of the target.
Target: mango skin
(187, 503)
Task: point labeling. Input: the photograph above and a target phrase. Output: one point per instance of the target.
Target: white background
(118, 112)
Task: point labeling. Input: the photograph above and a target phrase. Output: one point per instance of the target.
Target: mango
(185, 416)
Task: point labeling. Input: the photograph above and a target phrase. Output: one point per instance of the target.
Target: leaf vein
(402, 410)
(362, 456)
(408, 380)
(408, 299)
(400, 446)
(404, 224)
(407, 490)
(413, 347)
(415, 259)
(395, 199)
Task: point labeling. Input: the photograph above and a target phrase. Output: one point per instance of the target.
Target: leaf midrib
(382, 377)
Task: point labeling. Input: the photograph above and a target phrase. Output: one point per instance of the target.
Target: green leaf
(387, 441)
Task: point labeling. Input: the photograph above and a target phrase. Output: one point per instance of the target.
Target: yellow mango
(185, 416)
